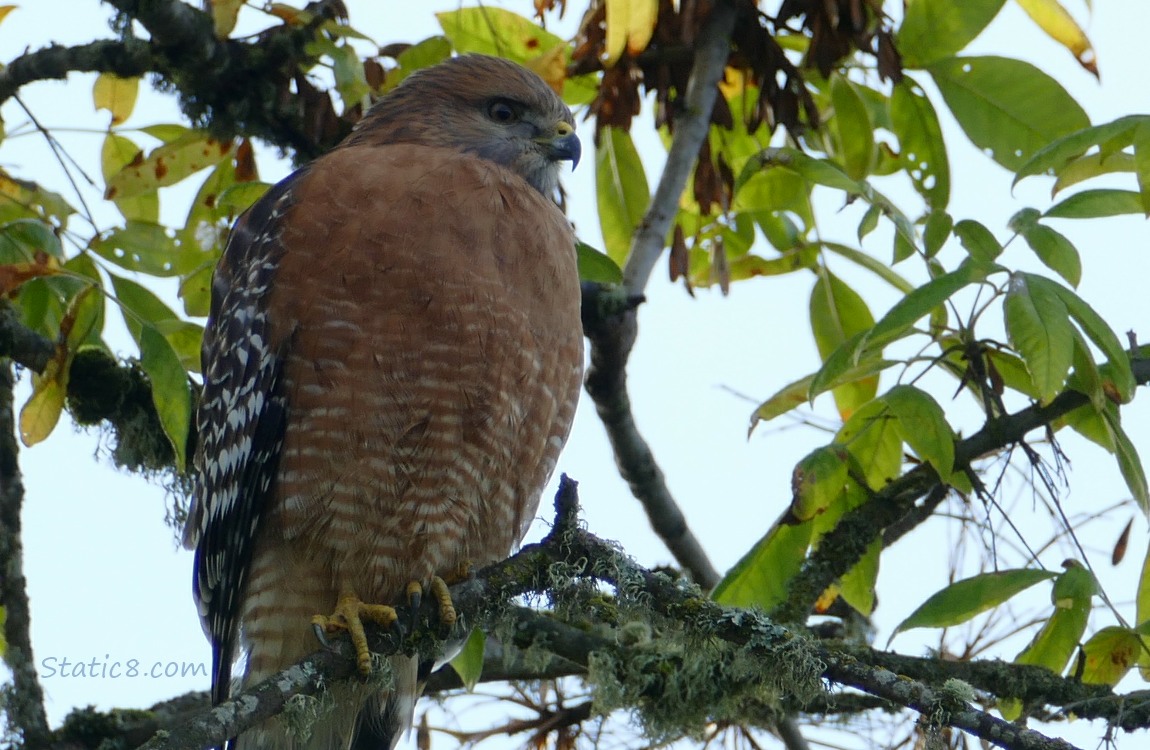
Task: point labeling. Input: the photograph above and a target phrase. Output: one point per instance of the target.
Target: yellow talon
(350, 614)
(447, 614)
(438, 589)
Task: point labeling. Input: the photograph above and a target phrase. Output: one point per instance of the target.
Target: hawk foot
(438, 589)
(350, 614)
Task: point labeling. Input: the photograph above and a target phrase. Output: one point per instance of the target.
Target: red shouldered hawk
(391, 367)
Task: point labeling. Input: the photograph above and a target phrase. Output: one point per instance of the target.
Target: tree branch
(127, 59)
(612, 334)
(100, 389)
(743, 652)
(712, 48)
(844, 546)
(24, 705)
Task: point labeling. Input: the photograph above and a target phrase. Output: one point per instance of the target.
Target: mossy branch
(100, 390)
(228, 86)
(670, 654)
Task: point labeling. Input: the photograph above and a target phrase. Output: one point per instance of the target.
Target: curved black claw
(414, 602)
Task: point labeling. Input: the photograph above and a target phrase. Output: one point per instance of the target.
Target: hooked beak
(565, 145)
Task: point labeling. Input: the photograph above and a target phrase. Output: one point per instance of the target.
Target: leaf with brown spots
(168, 164)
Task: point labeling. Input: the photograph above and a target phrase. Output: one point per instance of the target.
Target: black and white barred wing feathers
(241, 420)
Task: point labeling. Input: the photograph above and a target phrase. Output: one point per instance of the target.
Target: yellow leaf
(630, 24)
(5, 10)
(1109, 655)
(224, 14)
(551, 66)
(1052, 18)
(115, 94)
(40, 415)
(167, 165)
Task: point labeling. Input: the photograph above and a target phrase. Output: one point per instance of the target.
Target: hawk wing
(241, 419)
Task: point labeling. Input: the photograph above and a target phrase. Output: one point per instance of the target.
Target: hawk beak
(565, 145)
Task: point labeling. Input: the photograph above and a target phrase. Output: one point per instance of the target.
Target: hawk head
(486, 106)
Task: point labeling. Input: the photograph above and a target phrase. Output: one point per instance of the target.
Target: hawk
(391, 366)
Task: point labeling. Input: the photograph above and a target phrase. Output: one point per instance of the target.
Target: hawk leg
(350, 614)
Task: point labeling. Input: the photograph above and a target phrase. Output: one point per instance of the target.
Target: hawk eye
(501, 111)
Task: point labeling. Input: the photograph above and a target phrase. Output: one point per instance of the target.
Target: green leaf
(42, 411)
(934, 29)
(239, 197)
(1039, 329)
(923, 149)
(499, 32)
(936, 232)
(1094, 204)
(760, 578)
(923, 300)
(1089, 166)
(923, 426)
(142, 310)
(869, 221)
(798, 393)
(874, 440)
(1142, 162)
(1121, 378)
(1109, 654)
(170, 389)
(167, 165)
(838, 313)
(494, 31)
(1055, 251)
(22, 239)
(875, 266)
(196, 290)
(1008, 108)
(1055, 156)
(963, 600)
(852, 128)
(1142, 601)
(817, 481)
(139, 306)
(621, 191)
(350, 78)
(84, 320)
(117, 153)
(431, 51)
(980, 242)
(468, 663)
(1059, 637)
(815, 171)
(856, 587)
(20, 199)
(1129, 463)
(596, 266)
(141, 246)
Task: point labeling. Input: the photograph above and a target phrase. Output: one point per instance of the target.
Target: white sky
(107, 580)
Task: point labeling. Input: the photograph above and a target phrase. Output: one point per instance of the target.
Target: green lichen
(301, 712)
